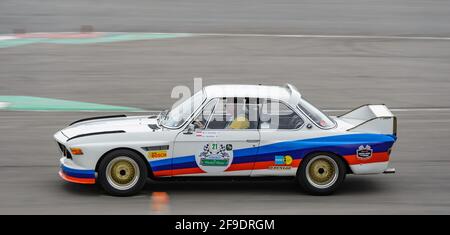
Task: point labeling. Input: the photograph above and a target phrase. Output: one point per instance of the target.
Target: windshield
(315, 114)
(179, 114)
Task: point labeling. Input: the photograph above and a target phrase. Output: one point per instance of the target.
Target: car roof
(286, 93)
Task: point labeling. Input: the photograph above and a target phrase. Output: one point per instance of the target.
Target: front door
(224, 143)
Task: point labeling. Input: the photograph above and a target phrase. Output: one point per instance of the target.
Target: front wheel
(122, 173)
(321, 173)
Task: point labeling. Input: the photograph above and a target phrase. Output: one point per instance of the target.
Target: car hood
(127, 124)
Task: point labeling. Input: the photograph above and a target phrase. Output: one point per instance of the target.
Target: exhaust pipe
(389, 171)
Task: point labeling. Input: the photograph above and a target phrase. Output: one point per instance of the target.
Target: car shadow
(353, 185)
(361, 185)
(81, 189)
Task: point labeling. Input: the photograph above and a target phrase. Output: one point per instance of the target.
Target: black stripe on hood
(95, 118)
(96, 133)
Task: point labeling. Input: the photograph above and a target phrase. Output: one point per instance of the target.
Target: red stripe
(163, 173)
(194, 170)
(184, 171)
(233, 167)
(296, 162)
(77, 180)
(263, 165)
(240, 166)
(376, 157)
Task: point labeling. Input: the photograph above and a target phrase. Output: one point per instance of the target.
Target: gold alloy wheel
(322, 171)
(122, 173)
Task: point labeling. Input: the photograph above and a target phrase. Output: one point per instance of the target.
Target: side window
(277, 115)
(202, 119)
(234, 113)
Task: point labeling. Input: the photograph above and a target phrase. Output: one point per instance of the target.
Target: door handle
(252, 141)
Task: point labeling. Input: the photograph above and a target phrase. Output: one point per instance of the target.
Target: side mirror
(189, 129)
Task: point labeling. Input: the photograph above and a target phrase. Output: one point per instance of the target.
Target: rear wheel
(122, 173)
(321, 173)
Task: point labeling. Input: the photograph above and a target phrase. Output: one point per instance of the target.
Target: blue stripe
(161, 162)
(185, 165)
(86, 174)
(339, 144)
(174, 163)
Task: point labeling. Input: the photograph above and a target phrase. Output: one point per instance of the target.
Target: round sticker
(287, 160)
(215, 157)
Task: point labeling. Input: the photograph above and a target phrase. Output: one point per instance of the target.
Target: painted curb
(31, 103)
(73, 38)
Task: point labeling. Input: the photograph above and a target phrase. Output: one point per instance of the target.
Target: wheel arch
(149, 169)
(347, 166)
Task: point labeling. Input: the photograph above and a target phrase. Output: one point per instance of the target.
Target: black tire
(311, 167)
(132, 166)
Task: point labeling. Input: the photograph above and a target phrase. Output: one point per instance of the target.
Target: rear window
(316, 115)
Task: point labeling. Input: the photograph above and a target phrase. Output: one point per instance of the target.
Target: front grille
(64, 151)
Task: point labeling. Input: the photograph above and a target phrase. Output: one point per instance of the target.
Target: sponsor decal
(288, 160)
(364, 152)
(283, 160)
(279, 160)
(157, 154)
(206, 134)
(280, 167)
(282, 163)
(215, 157)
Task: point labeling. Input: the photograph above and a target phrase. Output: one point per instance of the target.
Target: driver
(240, 121)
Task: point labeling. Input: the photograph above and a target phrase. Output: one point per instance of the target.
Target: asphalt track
(410, 75)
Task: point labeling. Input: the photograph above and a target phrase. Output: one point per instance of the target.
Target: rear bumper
(378, 163)
(369, 168)
(70, 172)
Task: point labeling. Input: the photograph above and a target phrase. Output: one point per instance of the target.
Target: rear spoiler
(374, 118)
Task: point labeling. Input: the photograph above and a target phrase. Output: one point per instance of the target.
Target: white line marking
(7, 37)
(274, 35)
(322, 36)
(3, 105)
(396, 109)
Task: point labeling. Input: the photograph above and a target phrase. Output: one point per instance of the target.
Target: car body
(230, 131)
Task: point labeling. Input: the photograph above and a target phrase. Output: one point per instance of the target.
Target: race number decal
(215, 157)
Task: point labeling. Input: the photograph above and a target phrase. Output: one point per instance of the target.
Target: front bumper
(71, 172)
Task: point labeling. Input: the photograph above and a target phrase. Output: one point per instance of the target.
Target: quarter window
(315, 114)
(277, 115)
